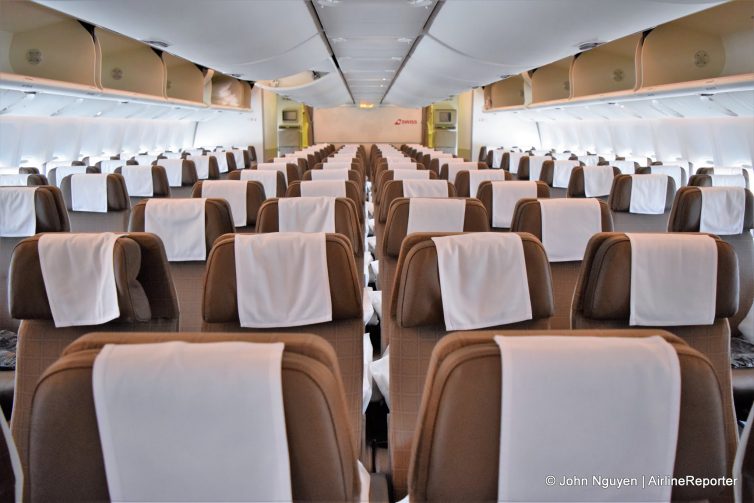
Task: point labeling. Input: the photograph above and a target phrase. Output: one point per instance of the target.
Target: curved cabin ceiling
(400, 52)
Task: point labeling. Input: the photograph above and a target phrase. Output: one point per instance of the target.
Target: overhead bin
(128, 65)
(552, 82)
(710, 44)
(505, 93)
(184, 79)
(228, 91)
(45, 44)
(325, 92)
(609, 68)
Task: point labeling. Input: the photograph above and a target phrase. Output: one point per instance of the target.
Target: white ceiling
(467, 43)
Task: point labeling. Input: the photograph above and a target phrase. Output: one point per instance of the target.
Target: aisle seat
(644, 210)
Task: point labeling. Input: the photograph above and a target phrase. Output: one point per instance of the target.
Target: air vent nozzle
(157, 43)
(589, 45)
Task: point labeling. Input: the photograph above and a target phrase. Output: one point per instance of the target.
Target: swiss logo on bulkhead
(398, 122)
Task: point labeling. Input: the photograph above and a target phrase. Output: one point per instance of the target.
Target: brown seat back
(51, 216)
(527, 217)
(686, 216)
(188, 172)
(620, 205)
(444, 170)
(392, 190)
(352, 192)
(117, 194)
(146, 298)
(396, 225)
(417, 324)
(159, 181)
(346, 221)
(463, 182)
(53, 172)
(344, 332)
(484, 194)
(603, 294)
(576, 182)
(321, 450)
(281, 187)
(254, 198)
(462, 403)
(704, 178)
(386, 175)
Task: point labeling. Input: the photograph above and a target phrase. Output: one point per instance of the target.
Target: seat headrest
(705, 179)
(188, 171)
(603, 290)
(462, 401)
(445, 170)
(485, 194)
(117, 193)
(352, 191)
(218, 219)
(35, 180)
(686, 214)
(576, 184)
(527, 217)
(280, 184)
(52, 174)
(475, 220)
(417, 295)
(463, 182)
(323, 465)
(50, 210)
(255, 196)
(353, 175)
(620, 195)
(142, 278)
(220, 303)
(346, 220)
(160, 184)
(393, 190)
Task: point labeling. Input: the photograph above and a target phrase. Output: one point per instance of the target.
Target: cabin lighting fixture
(328, 3)
(366, 105)
(337, 40)
(420, 3)
(405, 40)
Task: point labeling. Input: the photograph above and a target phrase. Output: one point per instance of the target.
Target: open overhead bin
(185, 81)
(711, 44)
(552, 82)
(609, 68)
(43, 44)
(227, 91)
(128, 65)
(505, 93)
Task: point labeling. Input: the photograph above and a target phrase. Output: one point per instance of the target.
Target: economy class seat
(289, 169)
(530, 167)
(108, 193)
(67, 461)
(391, 191)
(565, 262)
(486, 194)
(49, 215)
(604, 299)
(254, 197)
(598, 187)
(448, 171)
(145, 297)
(207, 167)
(456, 453)
(352, 192)
(253, 175)
(350, 174)
(345, 331)
(138, 184)
(651, 207)
(396, 231)
(181, 174)
(22, 180)
(686, 216)
(186, 253)
(346, 223)
(418, 322)
(57, 174)
(389, 175)
(482, 154)
(468, 181)
(714, 180)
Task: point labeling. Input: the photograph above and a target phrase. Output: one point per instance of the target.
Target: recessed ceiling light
(328, 3)
(405, 40)
(420, 3)
(337, 40)
(397, 58)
